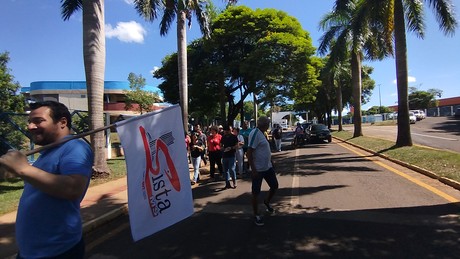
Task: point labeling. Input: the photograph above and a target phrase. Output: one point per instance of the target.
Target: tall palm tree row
(94, 61)
(347, 38)
(386, 21)
(394, 16)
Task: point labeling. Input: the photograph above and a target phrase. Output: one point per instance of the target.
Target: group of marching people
(225, 148)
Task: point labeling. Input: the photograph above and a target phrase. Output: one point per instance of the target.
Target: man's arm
(61, 186)
(250, 155)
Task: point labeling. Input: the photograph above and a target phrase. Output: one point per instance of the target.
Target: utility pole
(380, 100)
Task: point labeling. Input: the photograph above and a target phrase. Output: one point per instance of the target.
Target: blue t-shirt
(45, 225)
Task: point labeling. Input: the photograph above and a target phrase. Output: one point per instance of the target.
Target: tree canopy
(10, 101)
(263, 51)
(137, 94)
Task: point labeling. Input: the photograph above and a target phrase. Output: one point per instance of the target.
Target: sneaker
(258, 221)
(269, 209)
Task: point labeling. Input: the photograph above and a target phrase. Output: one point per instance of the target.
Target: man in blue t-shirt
(48, 222)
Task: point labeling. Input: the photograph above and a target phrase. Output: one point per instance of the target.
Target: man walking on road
(48, 223)
(259, 157)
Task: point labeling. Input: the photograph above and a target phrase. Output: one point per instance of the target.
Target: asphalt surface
(334, 201)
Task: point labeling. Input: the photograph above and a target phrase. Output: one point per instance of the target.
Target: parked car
(412, 117)
(419, 114)
(318, 133)
(393, 116)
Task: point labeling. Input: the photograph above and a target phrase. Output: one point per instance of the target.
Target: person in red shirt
(214, 152)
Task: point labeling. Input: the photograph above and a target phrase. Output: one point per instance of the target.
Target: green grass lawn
(442, 163)
(11, 189)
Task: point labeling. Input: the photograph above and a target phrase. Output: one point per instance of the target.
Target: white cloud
(126, 32)
(130, 2)
(155, 68)
(410, 79)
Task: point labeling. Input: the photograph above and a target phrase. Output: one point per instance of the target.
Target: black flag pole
(64, 140)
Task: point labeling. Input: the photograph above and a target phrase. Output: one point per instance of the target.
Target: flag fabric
(159, 190)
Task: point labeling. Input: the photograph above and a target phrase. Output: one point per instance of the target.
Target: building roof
(110, 86)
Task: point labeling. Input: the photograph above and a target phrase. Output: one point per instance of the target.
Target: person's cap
(220, 127)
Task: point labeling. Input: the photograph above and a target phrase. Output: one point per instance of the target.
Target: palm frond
(69, 7)
(415, 17)
(168, 17)
(148, 8)
(445, 15)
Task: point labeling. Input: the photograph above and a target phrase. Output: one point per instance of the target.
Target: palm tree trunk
(339, 105)
(182, 63)
(94, 60)
(356, 92)
(404, 137)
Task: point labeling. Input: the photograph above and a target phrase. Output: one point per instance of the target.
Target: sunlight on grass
(442, 163)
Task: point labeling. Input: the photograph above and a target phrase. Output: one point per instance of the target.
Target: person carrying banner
(230, 145)
(214, 152)
(48, 222)
(259, 157)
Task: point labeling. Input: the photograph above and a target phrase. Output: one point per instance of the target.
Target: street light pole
(380, 100)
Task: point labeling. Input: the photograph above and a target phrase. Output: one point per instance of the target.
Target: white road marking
(295, 184)
(429, 136)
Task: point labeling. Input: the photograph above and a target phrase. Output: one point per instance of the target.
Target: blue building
(74, 95)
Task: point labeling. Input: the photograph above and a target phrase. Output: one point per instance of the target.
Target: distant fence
(443, 111)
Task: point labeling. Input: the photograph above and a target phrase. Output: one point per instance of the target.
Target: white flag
(159, 190)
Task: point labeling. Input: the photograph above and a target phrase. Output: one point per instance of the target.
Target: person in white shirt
(259, 157)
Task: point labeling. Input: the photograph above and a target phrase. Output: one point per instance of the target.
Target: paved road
(334, 201)
(436, 132)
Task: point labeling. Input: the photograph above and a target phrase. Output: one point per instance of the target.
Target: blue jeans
(228, 163)
(196, 167)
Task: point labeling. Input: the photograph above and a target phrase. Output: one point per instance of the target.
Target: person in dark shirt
(229, 144)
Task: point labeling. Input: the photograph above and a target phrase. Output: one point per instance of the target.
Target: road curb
(444, 180)
(105, 218)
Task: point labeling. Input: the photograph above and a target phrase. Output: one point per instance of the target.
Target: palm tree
(393, 15)
(183, 9)
(94, 60)
(343, 39)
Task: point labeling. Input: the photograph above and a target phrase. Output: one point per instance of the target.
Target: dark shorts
(270, 178)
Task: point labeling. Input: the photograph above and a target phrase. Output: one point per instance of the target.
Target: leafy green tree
(262, 52)
(137, 94)
(10, 103)
(423, 99)
(392, 16)
(94, 62)
(265, 52)
(378, 110)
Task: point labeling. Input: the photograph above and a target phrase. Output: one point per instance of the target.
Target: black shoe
(269, 209)
(258, 221)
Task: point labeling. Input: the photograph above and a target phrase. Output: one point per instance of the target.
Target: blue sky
(43, 47)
